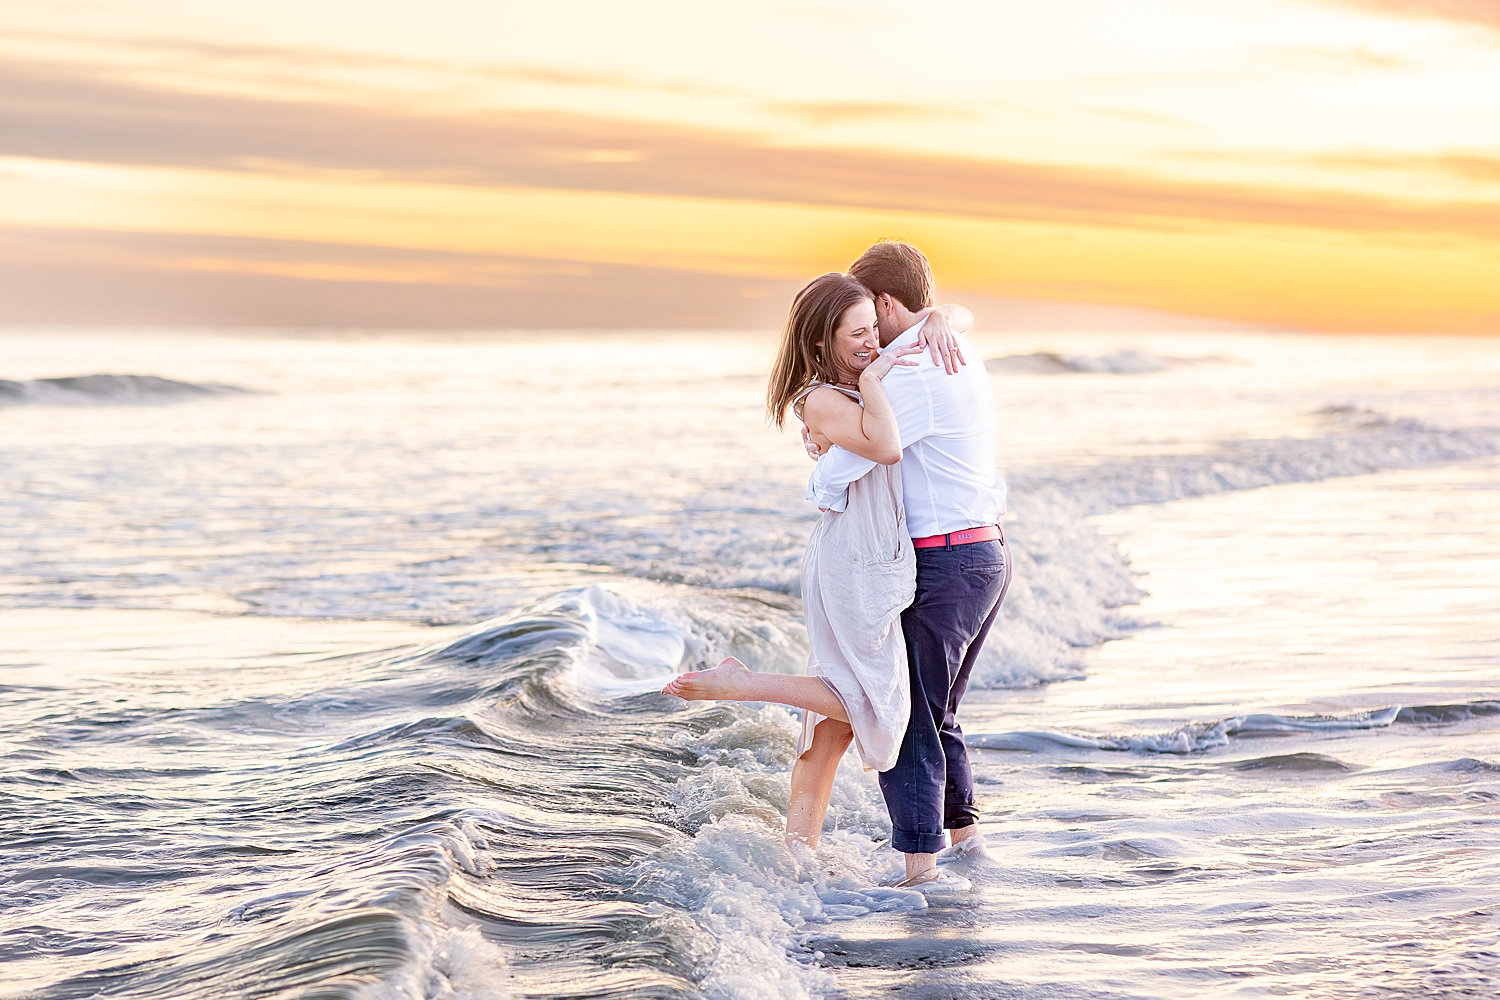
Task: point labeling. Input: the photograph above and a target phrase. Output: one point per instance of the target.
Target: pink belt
(968, 536)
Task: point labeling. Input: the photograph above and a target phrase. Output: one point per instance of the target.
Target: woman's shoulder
(822, 398)
(829, 394)
(822, 395)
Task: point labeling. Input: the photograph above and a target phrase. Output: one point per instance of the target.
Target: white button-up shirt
(947, 425)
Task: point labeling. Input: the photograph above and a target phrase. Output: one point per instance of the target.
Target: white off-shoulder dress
(859, 574)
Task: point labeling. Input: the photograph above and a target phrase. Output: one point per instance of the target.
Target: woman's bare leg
(812, 781)
(731, 680)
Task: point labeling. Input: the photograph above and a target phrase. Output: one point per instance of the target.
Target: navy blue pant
(959, 590)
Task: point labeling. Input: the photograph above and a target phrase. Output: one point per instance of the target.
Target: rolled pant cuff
(917, 843)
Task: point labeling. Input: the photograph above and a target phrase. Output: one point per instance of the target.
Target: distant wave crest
(1198, 736)
(1364, 441)
(87, 390)
(1115, 363)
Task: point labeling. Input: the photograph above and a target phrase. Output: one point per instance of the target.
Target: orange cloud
(251, 63)
(53, 116)
(1485, 12)
(80, 276)
(1336, 61)
(841, 112)
(1470, 166)
(89, 276)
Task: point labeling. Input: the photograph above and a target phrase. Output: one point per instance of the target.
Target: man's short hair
(898, 269)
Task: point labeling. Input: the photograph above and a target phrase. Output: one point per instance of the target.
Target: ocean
(328, 668)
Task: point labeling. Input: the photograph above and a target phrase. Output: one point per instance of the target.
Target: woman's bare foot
(729, 681)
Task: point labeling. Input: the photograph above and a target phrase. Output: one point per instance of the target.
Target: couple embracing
(905, 571)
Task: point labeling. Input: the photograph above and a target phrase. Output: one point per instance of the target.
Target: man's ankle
(916, 864)
(963, 833)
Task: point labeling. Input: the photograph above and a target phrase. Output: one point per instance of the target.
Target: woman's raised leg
(812, 781)
(731, 680)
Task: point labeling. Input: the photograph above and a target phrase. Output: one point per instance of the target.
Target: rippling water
(343, 686)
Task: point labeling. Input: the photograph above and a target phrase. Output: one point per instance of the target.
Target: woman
(860, 569)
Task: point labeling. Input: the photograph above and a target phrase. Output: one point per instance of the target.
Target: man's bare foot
(726, 682)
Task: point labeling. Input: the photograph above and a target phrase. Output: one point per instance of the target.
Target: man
(954, 501)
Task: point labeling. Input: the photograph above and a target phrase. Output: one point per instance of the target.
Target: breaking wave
(85, 390)
(676, 844)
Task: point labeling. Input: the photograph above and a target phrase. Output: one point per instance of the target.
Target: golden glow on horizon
(1295, 162)
(1329, 281)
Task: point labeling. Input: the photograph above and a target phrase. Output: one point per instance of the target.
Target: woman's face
(856, 340)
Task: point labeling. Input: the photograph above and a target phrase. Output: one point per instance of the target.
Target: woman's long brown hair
(806, 354)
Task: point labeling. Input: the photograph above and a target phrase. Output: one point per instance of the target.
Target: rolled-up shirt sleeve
(912, 402)
(828, 486)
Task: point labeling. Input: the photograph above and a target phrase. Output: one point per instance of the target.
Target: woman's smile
(856, 339)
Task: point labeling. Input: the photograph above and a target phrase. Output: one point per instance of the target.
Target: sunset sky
(1315, 164)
